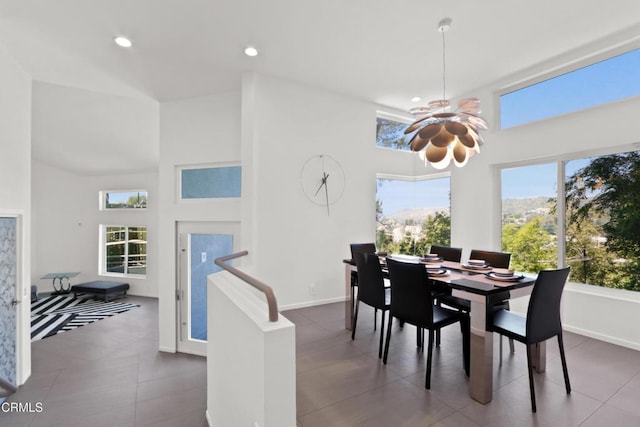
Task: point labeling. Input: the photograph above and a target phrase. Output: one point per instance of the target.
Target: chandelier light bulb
(251, 51)
(122, 41)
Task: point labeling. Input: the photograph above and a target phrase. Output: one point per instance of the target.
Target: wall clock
(322, 180)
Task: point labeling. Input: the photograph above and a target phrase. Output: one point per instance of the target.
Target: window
(610, 80)
(412, 214)
(210, 182)
(131, 199)
(529, 220)
(124, 250)
(390, 133)
(600, 228)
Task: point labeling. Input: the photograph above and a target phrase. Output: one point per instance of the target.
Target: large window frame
(560, 162)
(115, 235)
(419, 245)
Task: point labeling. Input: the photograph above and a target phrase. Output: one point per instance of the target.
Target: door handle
(15, 302)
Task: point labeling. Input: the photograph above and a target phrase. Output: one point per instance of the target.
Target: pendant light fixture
(442, 135)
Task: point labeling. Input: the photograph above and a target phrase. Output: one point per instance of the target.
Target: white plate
(514, 278)
(477, 267)
(439, 272)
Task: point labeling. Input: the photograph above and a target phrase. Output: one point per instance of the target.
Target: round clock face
(322, 180)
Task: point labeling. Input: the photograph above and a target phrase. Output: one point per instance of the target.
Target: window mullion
(561, 217)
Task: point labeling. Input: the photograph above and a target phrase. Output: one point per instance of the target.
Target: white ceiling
(380, 51)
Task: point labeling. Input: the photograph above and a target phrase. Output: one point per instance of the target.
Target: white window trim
(102, 255)
(102, 200)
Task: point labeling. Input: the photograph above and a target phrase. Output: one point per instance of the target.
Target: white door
(200, 243)
(8, 299)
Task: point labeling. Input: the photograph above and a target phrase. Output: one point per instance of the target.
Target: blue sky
(536, 180)
(606, 81)
(432, 193)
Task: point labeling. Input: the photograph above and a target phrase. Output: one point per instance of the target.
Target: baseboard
(601, 337)
(311, 303)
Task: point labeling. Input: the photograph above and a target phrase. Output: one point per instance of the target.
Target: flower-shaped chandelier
(442, 135)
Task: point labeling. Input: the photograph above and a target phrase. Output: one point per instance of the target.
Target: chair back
(411, 299)
(363, 248)
(495, 259)
(543, 314)
(447, 253)
(370, 279)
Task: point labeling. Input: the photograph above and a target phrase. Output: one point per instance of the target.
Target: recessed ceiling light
(122, 41)
(416, 99)
(251, 51)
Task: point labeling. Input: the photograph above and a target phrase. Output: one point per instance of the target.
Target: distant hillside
(414, 214)
(509, 207)
(526, 204)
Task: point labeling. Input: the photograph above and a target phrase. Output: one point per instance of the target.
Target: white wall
(195, 131)
(294, 245)
(251, 367)
(15, 185)
(66, 221)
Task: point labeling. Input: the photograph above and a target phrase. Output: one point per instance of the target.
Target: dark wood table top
(475, 281)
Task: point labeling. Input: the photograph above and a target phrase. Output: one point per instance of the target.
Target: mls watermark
(21, 407)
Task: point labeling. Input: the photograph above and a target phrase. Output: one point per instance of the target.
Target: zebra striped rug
(55, 314)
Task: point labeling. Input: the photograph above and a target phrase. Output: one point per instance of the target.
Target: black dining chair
(447, 253)
(494, 259)
(371, 291)
(412, 302)
(542, 321)
(363, 248)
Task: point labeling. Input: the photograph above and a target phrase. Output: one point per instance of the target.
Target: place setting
(504, 275)
(476, 265)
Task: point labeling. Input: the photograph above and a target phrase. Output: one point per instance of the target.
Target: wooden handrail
(7, 386)
(262, 287)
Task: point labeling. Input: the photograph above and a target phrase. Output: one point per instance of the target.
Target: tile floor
(110, 374)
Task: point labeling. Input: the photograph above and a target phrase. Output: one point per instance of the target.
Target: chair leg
(567, 384)
(427, 380)
(381, 334)
(531, 388)
(418, 337)
(386, 344)
(466, 344)
(375, 318)
(438, 335)
(511, 346)
(355, 319)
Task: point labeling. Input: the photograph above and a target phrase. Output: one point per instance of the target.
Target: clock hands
(324, 182)
(326, 189)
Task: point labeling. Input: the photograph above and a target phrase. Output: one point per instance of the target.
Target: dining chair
(447, 253)
(365, 248)
(371, 291)
(542, 321)
(412, 302)
(496, 260)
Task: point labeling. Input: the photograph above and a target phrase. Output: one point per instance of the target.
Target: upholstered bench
(102, 288)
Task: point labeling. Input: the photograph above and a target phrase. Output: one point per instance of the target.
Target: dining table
(483, 288)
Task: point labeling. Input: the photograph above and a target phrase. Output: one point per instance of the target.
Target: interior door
(8, 300)
(200, 243)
